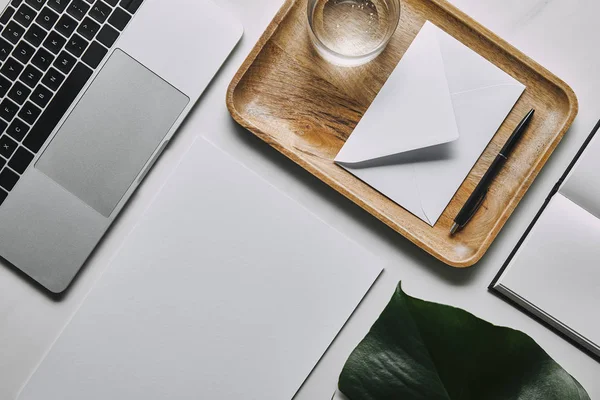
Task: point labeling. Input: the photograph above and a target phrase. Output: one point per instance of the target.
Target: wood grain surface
(306, 108)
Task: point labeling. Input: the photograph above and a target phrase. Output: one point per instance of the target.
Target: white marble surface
(562, 35)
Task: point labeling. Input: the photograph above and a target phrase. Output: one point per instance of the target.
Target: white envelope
(430, 123)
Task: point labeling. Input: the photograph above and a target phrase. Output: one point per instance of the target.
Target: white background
(562, 35)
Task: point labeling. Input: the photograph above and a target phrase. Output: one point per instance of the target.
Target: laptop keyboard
(49, 49)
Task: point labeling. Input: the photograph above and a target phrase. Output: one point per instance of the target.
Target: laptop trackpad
(112, 132)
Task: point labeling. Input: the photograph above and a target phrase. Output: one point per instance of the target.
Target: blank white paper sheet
(227, 289)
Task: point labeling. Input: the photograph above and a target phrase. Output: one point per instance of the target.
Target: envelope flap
(413, 110)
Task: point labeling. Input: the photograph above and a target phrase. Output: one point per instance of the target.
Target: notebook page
(227, 289)
(583, 184)
(557, 270)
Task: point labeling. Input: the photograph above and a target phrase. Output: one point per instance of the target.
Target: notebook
(226, 289)
(554, 273)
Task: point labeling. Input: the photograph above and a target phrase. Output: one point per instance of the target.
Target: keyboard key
(25, 15)
(88, 28)
(94, 55)
(29, 113)
(21, 160)
(23, 52)
(8, 13)
(58, 5)
(112, 2)
(35, 35)
(47, 18)
(107, 36)
(66, 25)
(2, 164)
(76, 45)
(42, 59)
(57, 107)
(131, 5)
(7, 146)
(17, 130)
(5, 49)
(65, 62)
(13, 32)
(11, 69)
(31, 76)
(8, 110)
(8, 179)
(5, 84)
(16, 3)
(119, 19)
(3, 194)
(100, 11)
(19, 93)
(53, 79)
(3, 126)
(77, 9)
(54, 42)
(37, 4)
(41, 96)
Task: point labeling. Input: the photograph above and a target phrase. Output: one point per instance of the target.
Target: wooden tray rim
(480, 30)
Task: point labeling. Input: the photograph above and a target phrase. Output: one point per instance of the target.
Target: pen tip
(454, 229)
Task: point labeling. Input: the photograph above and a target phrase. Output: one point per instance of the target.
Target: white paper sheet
(227, 289)
(430, 123)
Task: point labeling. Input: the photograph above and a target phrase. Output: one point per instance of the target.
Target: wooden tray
(306, 108)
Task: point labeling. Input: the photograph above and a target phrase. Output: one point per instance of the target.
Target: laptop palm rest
(112, 132)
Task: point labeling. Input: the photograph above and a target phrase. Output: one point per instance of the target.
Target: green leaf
(422, 350)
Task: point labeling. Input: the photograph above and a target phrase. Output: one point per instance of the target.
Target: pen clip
(477, 206)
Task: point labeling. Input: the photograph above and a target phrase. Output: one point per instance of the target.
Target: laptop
(91, 93)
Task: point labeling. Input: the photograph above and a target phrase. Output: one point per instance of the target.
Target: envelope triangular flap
(413, 110)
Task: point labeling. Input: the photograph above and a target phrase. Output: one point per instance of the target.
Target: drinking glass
(352, 32)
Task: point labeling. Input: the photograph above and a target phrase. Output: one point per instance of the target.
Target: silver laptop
(91, 92)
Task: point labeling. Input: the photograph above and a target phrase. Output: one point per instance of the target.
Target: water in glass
(351, 32)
